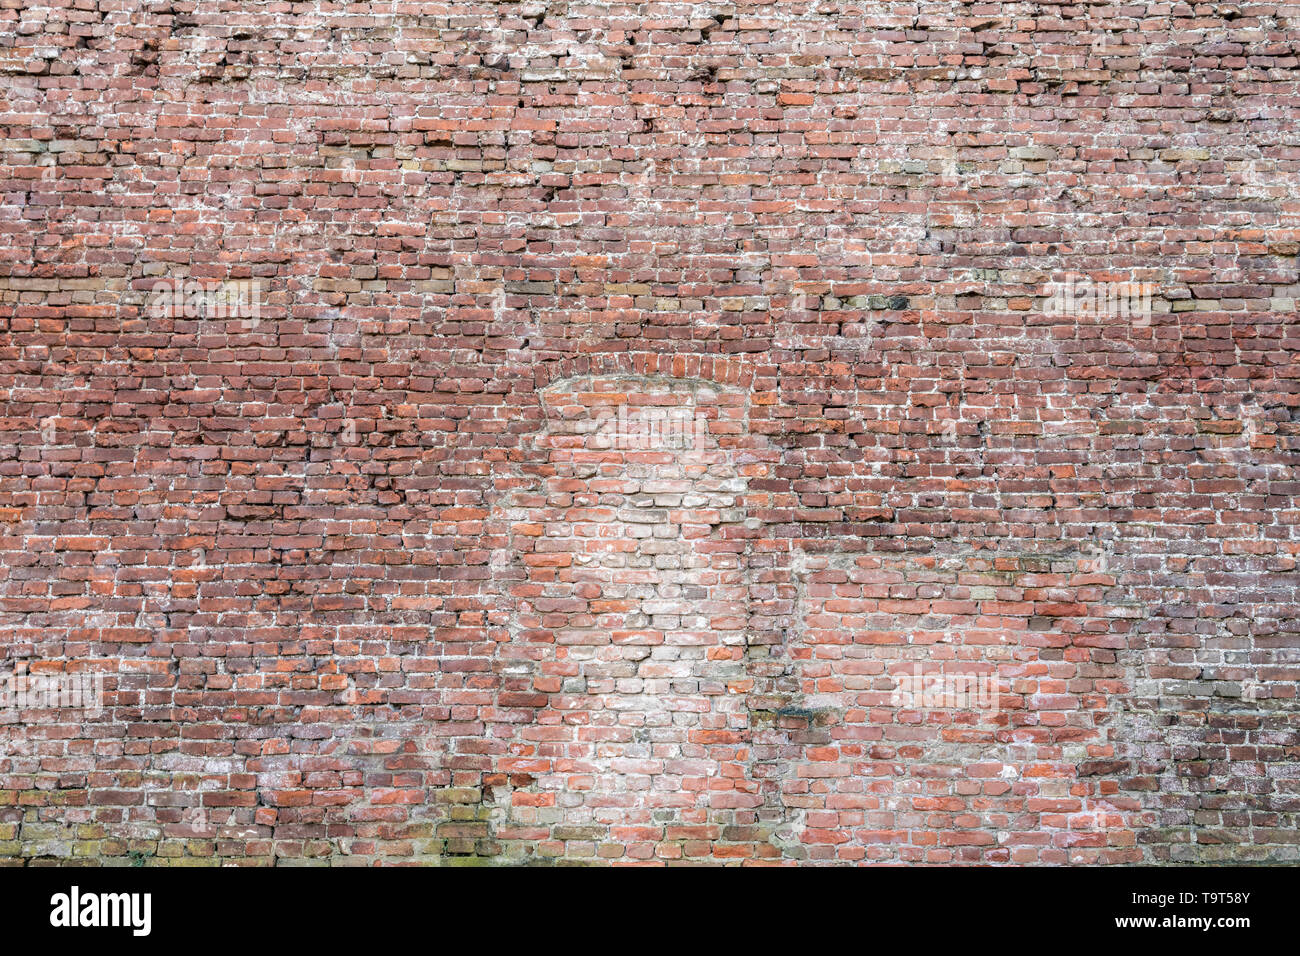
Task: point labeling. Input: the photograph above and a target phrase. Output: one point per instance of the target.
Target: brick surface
(649, 433)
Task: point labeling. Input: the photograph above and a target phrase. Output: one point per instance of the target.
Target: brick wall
(650, 432)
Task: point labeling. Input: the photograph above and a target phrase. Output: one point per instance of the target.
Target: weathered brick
(653, 451)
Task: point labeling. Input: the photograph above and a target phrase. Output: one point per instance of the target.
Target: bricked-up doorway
(622, 687)
(946, 709)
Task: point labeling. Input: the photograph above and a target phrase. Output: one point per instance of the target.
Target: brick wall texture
(639, 404)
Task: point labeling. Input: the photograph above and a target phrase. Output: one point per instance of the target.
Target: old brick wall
(641, 401)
